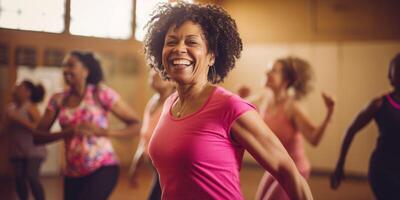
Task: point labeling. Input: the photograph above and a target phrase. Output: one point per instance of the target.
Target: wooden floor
(250, 176)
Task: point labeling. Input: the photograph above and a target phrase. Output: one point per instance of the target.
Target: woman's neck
(280, 95)
(78, 89)
(193, 91)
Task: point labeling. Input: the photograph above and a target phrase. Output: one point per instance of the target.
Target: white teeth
(181, 62)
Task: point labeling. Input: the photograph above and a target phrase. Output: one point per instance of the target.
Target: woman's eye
(169, 43)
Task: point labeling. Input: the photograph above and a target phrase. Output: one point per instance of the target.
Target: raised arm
(253, 134)
(362, 119)
(312, 132)
(42, 134)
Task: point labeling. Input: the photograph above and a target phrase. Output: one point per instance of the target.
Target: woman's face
(74, 71)
(21, 92)
(185, 56)
(274, 77)
(157, 83)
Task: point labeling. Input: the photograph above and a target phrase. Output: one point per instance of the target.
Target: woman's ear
(212, 59)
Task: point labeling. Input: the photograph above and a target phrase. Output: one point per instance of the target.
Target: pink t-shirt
(194, 155)
(290, 137)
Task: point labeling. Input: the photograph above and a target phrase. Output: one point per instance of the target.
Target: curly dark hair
(219, 29)
(92, 64)
(37, 91)
(299, 75)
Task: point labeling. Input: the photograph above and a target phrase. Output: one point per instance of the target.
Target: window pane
(143, 12)
(144, 8)
(102, 18)
(33, 15)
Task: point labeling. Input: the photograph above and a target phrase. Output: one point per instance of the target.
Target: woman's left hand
(328, 100)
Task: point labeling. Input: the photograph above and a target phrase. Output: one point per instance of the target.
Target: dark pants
(155, 193)
(27, 173)
(95, 186)
(384, 176)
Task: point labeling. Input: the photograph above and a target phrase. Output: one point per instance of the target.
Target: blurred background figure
(152, 112)
(92, 167)
(289, 79)
(384, 173)
(22, 117)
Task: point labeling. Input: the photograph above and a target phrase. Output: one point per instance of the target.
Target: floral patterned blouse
(85, 154)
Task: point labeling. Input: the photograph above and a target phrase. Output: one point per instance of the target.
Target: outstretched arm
(42, 134)
(311, 132)
(362, 119)
(253, 134)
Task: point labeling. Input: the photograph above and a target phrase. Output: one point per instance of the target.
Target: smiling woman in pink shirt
(198, 144)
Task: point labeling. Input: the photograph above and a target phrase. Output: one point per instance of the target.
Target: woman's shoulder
(224, 94)
(376, 102)
(101, 88)
(104, 93)
(294, 108)
(229, 99)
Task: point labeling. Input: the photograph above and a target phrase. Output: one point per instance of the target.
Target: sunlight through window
(102, 18)
(144, 8)
(32, 15)
(143, 12)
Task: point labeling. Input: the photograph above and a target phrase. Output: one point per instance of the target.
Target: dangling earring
(213, 73)
(164, 74)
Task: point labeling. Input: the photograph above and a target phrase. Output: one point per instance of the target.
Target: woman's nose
(180, 47)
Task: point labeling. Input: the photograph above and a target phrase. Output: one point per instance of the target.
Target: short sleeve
(107, 96)
(236, 107)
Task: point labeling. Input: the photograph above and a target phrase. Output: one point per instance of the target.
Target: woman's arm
(31, 123)
(253, 134)
(123, 112)
(311, 132)
(140, 155)
(42, 134)
(137, 162)
(362, 119)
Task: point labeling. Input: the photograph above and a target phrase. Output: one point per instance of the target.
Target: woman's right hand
(337, 177)
(328, 100)
(243, 91)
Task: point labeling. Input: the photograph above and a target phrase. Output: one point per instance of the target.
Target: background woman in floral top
(91, 170)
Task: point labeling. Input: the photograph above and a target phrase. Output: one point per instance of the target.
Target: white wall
(353, 72)
(51, 78)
